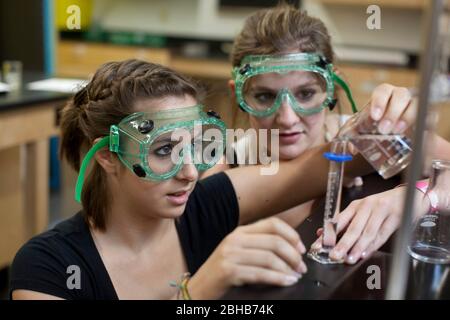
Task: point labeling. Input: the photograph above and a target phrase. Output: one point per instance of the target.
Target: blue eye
(164, 150)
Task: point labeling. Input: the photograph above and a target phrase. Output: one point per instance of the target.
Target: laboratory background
(49, 48)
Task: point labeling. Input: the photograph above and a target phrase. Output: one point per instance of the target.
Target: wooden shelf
(203, 68)
(82, 59)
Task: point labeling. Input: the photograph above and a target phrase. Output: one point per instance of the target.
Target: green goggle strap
(344, 86)
(104, 142)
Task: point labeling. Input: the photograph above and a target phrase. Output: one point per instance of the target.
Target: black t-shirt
(44, 263)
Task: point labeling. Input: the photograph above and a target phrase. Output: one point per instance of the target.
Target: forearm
(310, 177)
(295, 216)
(297, 181)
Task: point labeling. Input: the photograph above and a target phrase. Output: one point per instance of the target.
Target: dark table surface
(343, 281)
(26, 98)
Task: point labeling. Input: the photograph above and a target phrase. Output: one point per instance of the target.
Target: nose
(286, 116)
(188, 170)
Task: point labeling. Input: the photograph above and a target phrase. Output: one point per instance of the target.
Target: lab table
(27, 120)
(343, 281)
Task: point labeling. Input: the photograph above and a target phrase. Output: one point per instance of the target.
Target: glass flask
(431, 236)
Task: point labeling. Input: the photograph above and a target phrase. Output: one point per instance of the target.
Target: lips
(290, 137)
(178, 198)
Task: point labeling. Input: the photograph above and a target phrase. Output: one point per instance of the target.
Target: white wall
(401, 28)
(188, 18)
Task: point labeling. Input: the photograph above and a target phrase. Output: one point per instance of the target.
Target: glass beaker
(387, 153)
(431, 236)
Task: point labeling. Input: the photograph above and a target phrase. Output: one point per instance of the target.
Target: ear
(232, 87)
(106, 159)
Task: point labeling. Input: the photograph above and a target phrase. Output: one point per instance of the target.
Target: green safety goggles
(308, 84)
(156, 145)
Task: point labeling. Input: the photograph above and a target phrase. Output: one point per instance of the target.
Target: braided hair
(106, 100)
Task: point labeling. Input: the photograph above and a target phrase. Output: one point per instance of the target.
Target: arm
(296, 182)
(32, 295)
(295, 216)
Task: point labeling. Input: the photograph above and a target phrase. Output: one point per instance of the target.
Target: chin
(173, 212)
(291, 151)
(162, 211)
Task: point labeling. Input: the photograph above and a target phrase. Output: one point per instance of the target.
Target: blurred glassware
(12, 74)
(431, 236)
